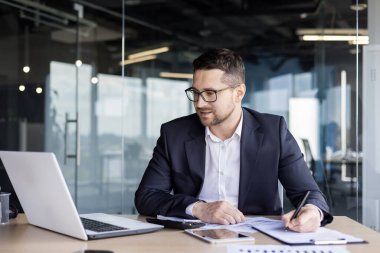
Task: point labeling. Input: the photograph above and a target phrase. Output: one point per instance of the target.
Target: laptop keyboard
(99, 226)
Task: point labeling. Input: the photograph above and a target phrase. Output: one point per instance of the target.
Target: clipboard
(324, 236)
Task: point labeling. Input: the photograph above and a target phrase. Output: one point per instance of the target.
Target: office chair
(311, 163)
(281, 193)
(309, 156)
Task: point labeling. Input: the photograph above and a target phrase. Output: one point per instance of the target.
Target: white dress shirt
(222, 170)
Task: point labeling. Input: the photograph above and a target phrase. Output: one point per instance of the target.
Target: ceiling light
(337, 31)
(131, 61)
(317, 37)
(21, 87)
(94, 80)
(339, 34)
(348, 38)
(176, 75)
(39, 90)
(358, 5)
(303, 15)
(26, 69)
(148, 52)
(359, 42)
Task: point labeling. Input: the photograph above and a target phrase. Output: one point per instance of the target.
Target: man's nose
(200, 103)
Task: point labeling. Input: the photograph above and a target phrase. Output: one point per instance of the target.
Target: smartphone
(176, 224)
(219, 235)
(93, 251)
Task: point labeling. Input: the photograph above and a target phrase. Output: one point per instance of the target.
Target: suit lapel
(196, 155)
(251, 140)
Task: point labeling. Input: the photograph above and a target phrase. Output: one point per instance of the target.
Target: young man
(225, 161)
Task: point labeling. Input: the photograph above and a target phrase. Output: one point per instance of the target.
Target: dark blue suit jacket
(174, 176)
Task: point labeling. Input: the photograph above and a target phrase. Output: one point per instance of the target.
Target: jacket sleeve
(154, 195)
(296, 177)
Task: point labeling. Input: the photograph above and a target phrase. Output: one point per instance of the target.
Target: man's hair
(226, 60)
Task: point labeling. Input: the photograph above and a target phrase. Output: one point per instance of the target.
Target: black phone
(93, 251)
(176, 224)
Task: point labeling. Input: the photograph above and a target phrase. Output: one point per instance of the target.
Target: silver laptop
(47, 203)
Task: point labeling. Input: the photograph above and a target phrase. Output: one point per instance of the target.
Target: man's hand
(219, 212)
(308, 220)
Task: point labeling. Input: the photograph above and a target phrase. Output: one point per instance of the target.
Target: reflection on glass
(166, 100)
(218, 233)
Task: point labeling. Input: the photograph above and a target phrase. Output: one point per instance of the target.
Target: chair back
(308, 156)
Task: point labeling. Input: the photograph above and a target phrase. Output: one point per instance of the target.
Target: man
(225, 161)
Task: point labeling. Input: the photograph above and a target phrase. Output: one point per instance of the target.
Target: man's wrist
(190, 208)
(321, 216)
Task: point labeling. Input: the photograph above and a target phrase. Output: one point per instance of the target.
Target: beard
(209, 117)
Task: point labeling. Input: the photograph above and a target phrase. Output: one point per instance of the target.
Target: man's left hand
(308, 219)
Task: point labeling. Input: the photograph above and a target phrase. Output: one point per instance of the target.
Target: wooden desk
(18, 237)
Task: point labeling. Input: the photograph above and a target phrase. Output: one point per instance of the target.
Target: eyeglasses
(207, 95)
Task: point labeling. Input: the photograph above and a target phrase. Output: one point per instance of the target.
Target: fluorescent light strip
(176, 75)
(337, 31)
(361, 39)
(131, 61)
(333, 38)
(148, 52)
(360, 42)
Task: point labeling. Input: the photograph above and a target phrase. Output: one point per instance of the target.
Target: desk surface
(18, 236)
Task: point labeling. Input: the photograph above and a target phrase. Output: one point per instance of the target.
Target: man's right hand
(219, 212)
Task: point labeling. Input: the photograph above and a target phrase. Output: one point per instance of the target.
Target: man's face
(214, 113)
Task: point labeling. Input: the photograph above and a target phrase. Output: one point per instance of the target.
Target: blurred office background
(92, 81)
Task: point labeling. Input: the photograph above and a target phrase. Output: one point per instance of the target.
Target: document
(323, 236)
(244, 227)
(283, 249)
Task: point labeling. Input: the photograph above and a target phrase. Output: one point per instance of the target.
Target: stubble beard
(216, 120)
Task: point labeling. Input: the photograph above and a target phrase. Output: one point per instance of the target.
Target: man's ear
(240, 92)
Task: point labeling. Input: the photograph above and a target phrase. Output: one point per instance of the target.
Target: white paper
(284, 249)
(244, 227)
(276, 229)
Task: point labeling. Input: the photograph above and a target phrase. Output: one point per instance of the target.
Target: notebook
(47, 203)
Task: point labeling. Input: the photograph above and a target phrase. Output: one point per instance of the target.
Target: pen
(330, 242)
(298, 209)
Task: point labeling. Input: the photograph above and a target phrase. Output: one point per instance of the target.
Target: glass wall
(94, 100)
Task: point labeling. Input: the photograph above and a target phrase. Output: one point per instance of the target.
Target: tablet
(219, 235)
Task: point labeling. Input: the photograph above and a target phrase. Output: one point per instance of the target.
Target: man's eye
(209, 93)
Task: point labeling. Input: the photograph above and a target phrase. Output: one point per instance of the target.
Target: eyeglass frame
(199, 93)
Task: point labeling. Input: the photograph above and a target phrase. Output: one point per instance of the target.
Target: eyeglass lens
(207, 95)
